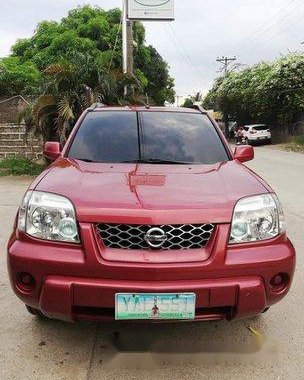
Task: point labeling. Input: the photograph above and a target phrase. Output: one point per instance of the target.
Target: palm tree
(70, 88)
(197, 97)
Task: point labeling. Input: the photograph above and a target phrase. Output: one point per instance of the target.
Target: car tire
(247, 141)
(265, 311)
(35, 312)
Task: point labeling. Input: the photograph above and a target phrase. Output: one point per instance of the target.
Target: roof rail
(96, 105)
(197, 107)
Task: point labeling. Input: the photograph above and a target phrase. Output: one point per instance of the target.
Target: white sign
(151, 10)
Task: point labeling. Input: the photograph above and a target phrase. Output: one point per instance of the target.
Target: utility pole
(225, 61)
(127, 43)
(178, 97)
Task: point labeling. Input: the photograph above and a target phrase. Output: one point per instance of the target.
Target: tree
(18, 78)
(187, 103)
(160, 87)
(270, 93)
(69, 88)
(192, 99)
(95, 32)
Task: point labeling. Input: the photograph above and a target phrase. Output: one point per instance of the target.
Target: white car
(257, 133)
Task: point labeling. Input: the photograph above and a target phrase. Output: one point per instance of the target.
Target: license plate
(155, 306)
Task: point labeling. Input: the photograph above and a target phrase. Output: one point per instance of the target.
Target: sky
(203, 30)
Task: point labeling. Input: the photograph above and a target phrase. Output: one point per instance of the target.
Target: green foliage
(95, 33)
(17, 77)
(19, 166)
(296, 144)
(270, 93)
(78, 61)
(188, 103)
(299, 140)
(192, 99)
(70, 87)
(160, 87)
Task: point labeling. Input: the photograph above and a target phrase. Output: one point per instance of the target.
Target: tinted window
(186, 137)
(107, 137)
(260, 128)
(113, 136)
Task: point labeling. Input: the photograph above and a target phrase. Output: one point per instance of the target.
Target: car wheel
(35, 312)
(247, 141)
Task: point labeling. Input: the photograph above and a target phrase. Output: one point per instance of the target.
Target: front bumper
(71, 299)
(259, 139)
(79, 283)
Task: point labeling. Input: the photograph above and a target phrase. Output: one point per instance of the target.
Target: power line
(272, 36)
(225, 61)
(188, 60)
(181, 45)
(262, 31)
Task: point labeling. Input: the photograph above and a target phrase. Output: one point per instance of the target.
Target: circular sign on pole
(158, 10)
(152, 3)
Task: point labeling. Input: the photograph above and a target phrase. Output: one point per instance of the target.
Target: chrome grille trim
(132, 237)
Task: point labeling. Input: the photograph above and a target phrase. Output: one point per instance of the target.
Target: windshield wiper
(142, 161)
(156, 161)
(84, 159)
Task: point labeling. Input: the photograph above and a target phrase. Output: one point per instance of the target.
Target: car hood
(155, 194)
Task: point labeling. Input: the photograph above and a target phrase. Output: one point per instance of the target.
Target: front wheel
(35, 312)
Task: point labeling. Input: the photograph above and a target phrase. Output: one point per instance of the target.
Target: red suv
(146, 214)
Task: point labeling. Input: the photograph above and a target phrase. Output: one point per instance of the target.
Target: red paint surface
(76, 282)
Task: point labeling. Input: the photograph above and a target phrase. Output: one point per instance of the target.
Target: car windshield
(260, 128)
(148, 136)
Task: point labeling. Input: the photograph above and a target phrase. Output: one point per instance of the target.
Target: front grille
(125, 236)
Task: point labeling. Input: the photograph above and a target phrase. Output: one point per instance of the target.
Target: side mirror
(51, 150)
(244, 153)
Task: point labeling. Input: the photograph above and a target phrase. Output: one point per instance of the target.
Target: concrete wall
(14, 142)
(13, 138)
(10, 109)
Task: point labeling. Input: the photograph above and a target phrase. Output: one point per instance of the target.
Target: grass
(296, 144)
(19, 166)
(299, 140)
(292, 144)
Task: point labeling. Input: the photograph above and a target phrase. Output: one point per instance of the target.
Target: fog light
(25, 281)
(279, 282)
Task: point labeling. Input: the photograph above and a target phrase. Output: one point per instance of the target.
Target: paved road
(31, 349)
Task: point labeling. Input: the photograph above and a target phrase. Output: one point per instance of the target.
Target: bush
(299, 140)
(296, 144)
(19, 166)
(270, 93)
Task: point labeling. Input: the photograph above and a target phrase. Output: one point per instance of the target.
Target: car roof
(256, 125)
(101, 108)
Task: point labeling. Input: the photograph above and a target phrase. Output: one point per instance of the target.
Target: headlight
(48, 216)
(257, 218)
